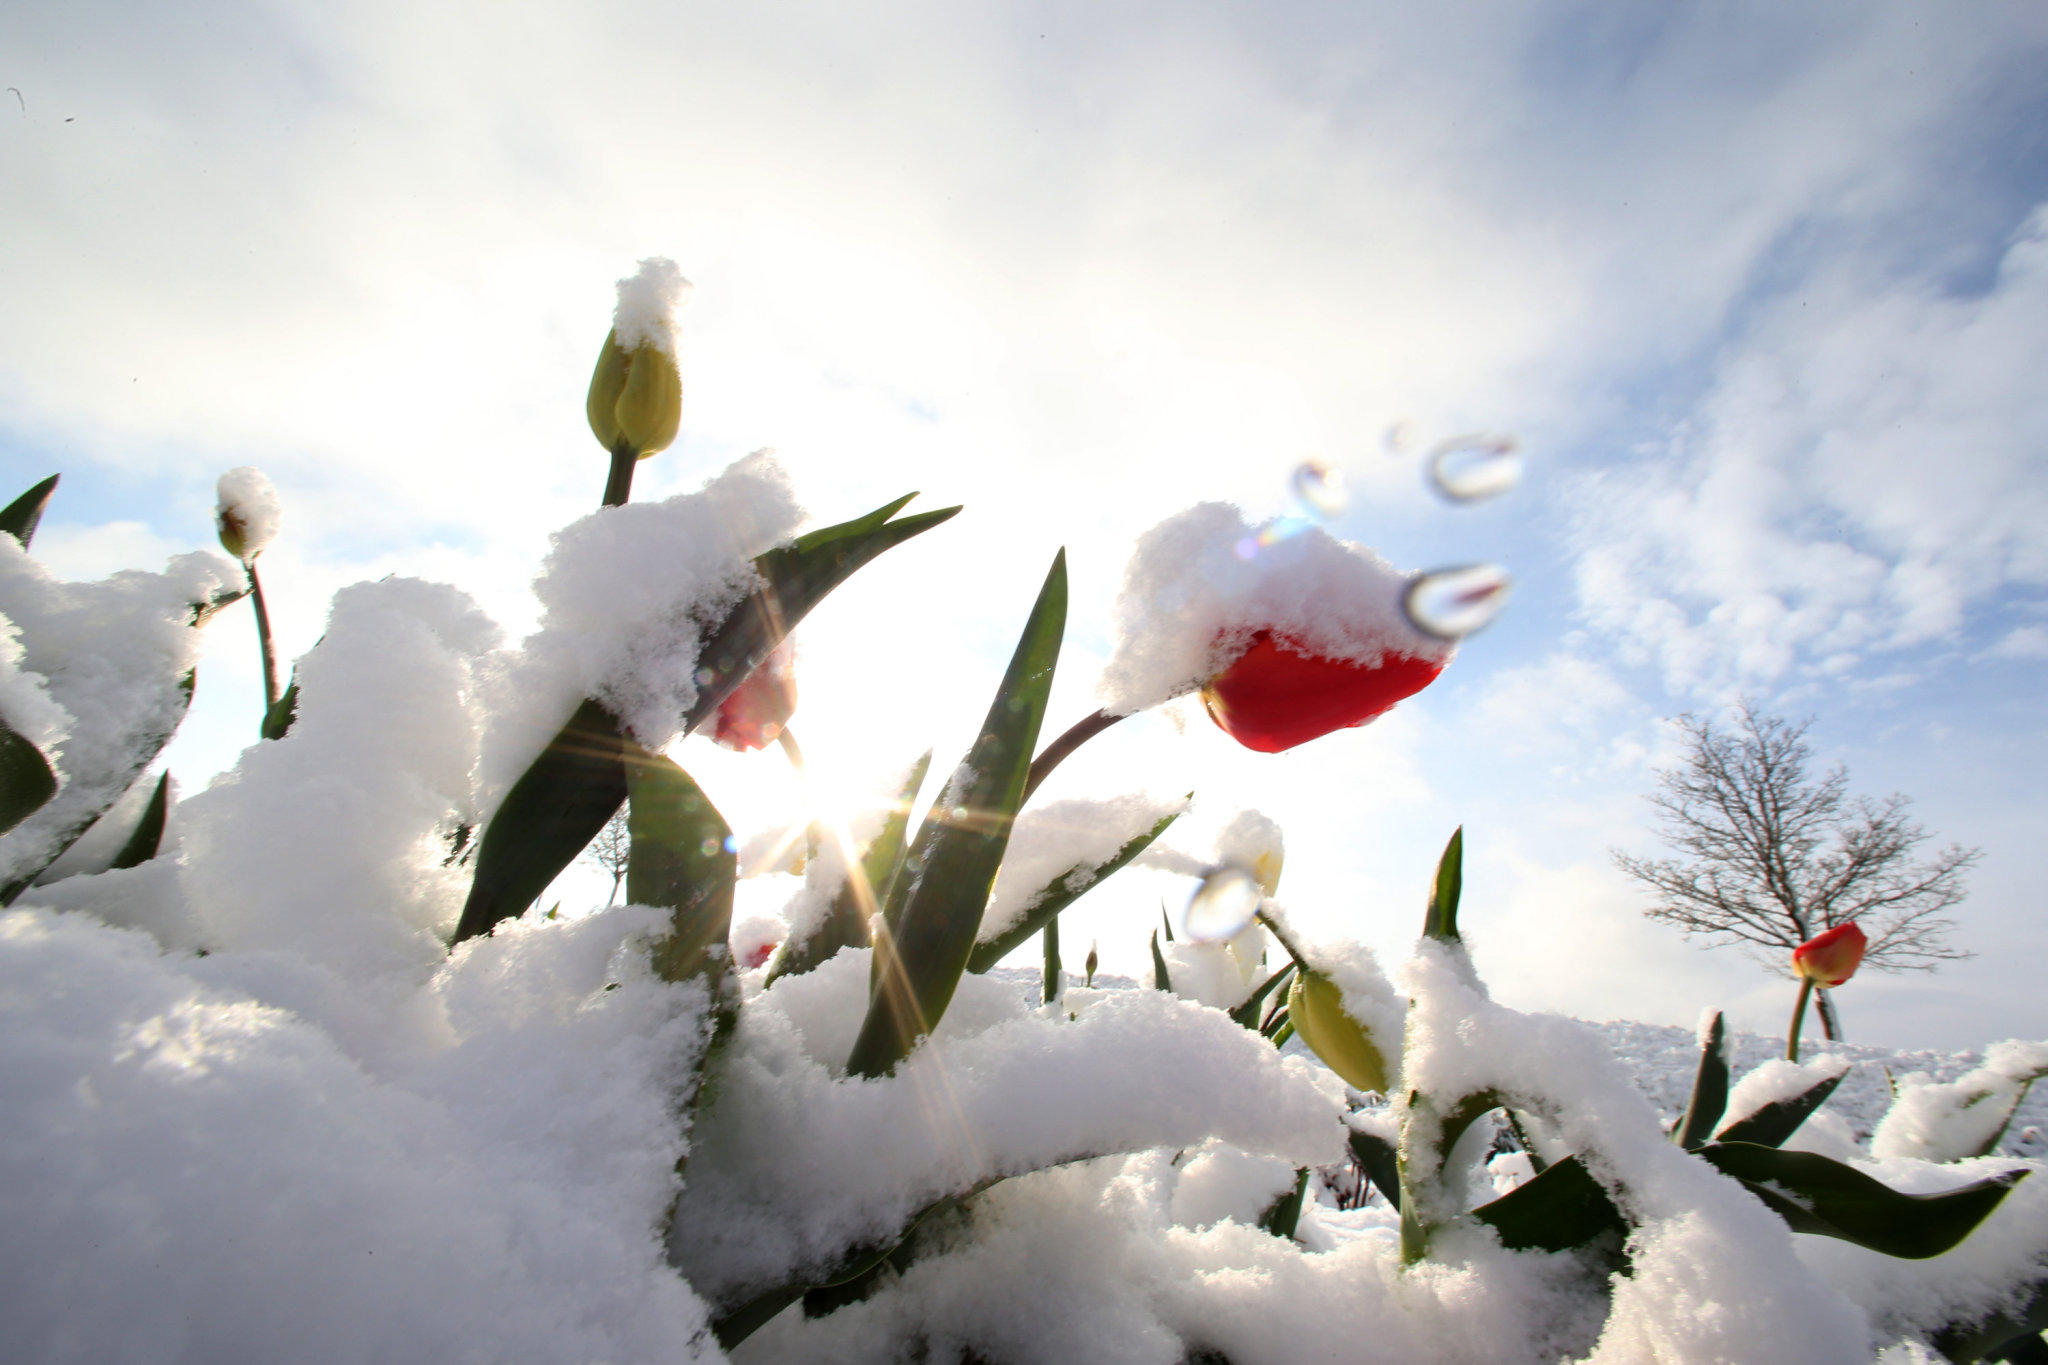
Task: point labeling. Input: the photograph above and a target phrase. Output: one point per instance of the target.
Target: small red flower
(1830, 958)
(759, 707)
(1278, 694)
(758, 955)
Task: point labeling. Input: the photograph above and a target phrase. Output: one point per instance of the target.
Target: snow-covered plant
(319, 1007)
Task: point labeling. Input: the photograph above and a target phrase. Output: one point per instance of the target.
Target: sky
(1760, 290)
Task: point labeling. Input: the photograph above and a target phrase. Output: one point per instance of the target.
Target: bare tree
(1768, 856)
(610, 851)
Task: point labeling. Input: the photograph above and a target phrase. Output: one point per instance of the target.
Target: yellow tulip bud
(636, 398)
(1316, 1008)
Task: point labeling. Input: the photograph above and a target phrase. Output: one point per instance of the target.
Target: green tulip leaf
(1161, 979)
(1043, 908)
(845, 922)
(794, 578)
(560, 802)
(1778, 1120)
(2004, 1335)
(548, 817)
(27, 781)
(1709, 1089)
(934, 910)
(1381, 1163)
(277, 721)
(139, 756)
(1249, 1013)
(1283, 1215)
(680, 859)
(1561, 1208)
(148, 837)
(1816, 1194)
(20, 517)
(1441, 921)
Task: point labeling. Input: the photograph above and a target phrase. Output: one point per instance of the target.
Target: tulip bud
(636, 391)
(1092, 963)
(247, 515)
(1830, 958)
(1277, 694)
(755, 711)
(1316, 1008)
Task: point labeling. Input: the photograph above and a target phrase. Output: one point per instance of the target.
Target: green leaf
(548, 817)
(1165, 922)
(148, 837)
(1161, 980)
(1381, 1163)
(794, 579)
(1556, 1210)
(27, 781)
(277, 721)
(20, 517)
(1248, 1013)
(1997, 1336)
(1815, 1194)
(680, 859)
(1284, 1214)
(140, 756)
(1279, 1026)
(1778, 1120)
(1441, 921)
(1709, 1089)
(560, 803)
(860, 896)
(1043, 909)
(952, 864)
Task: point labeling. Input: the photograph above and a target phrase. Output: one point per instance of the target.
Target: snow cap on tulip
(1288, 632)
(248, 513)
(1831, 957)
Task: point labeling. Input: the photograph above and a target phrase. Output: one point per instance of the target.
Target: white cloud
(1862, 476)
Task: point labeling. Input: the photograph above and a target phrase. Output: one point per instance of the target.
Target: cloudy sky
(1761, 289)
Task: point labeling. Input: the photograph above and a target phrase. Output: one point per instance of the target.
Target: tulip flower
(635, 405)
(1827, 959)
(1277, 695)
(758, 709)
(1831, 958)
(1315, 1006)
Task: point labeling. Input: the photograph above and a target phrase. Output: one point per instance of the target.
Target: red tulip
(1278, 694)
(1830, 958)
(758, 708)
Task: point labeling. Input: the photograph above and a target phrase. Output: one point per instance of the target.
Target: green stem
(264, 643)
(1083, 730)
(619, 486)
(1798, 1019)
(1052, 960)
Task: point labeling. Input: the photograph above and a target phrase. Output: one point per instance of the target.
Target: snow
(255, 1109)
(1049, 841)
(248, 503)
(1202, 582)
(627, 594)
(648, 301)
(1946, 1121)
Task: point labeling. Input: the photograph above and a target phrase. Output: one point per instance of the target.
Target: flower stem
(619, 486)
(790, 750)
(264, 643)
(1798, 1019)
(1050, 757)
(1052, 961)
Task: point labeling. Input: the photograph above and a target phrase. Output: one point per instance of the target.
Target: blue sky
(1760, 288)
